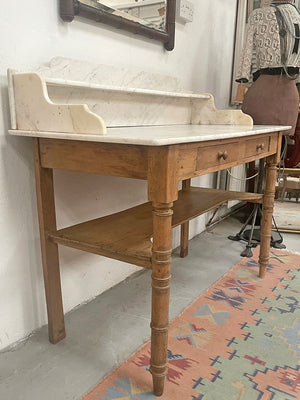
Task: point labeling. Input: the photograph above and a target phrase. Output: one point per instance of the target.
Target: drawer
(217, 155)
(256, 146)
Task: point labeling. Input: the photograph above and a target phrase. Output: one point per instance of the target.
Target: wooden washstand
(188, 138)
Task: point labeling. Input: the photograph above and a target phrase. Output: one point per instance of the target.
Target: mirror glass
(151, 13)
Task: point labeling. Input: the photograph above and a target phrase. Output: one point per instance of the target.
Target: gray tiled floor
(104, 332)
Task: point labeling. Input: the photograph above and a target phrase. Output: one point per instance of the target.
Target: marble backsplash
(66, 68)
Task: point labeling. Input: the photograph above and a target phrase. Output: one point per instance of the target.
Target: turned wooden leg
(47, 222)
(266, 221)
(184, 230)
(161, 262)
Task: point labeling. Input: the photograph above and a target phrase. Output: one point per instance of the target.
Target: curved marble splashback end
(34, 110)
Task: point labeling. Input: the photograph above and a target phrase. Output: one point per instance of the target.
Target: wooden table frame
(163, 167)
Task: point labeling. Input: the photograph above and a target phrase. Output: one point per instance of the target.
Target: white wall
(31, 34)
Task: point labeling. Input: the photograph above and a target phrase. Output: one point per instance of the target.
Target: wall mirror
(152, 18)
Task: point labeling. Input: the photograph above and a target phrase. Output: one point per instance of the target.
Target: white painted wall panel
(31, 34)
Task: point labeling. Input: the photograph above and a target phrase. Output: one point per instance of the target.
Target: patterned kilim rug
(239, 340)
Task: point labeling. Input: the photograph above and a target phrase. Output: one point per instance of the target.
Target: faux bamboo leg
(266, 222)
(47, 222)
(161, 261)
(184, 230)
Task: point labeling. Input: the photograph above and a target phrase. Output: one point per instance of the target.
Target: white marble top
(160, 135)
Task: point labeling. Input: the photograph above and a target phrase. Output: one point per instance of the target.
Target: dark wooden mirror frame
(70, 8)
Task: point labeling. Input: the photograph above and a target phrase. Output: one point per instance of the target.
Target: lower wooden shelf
(126, 235)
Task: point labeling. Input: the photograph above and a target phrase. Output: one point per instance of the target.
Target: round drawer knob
(223, 154)
(260, 146)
